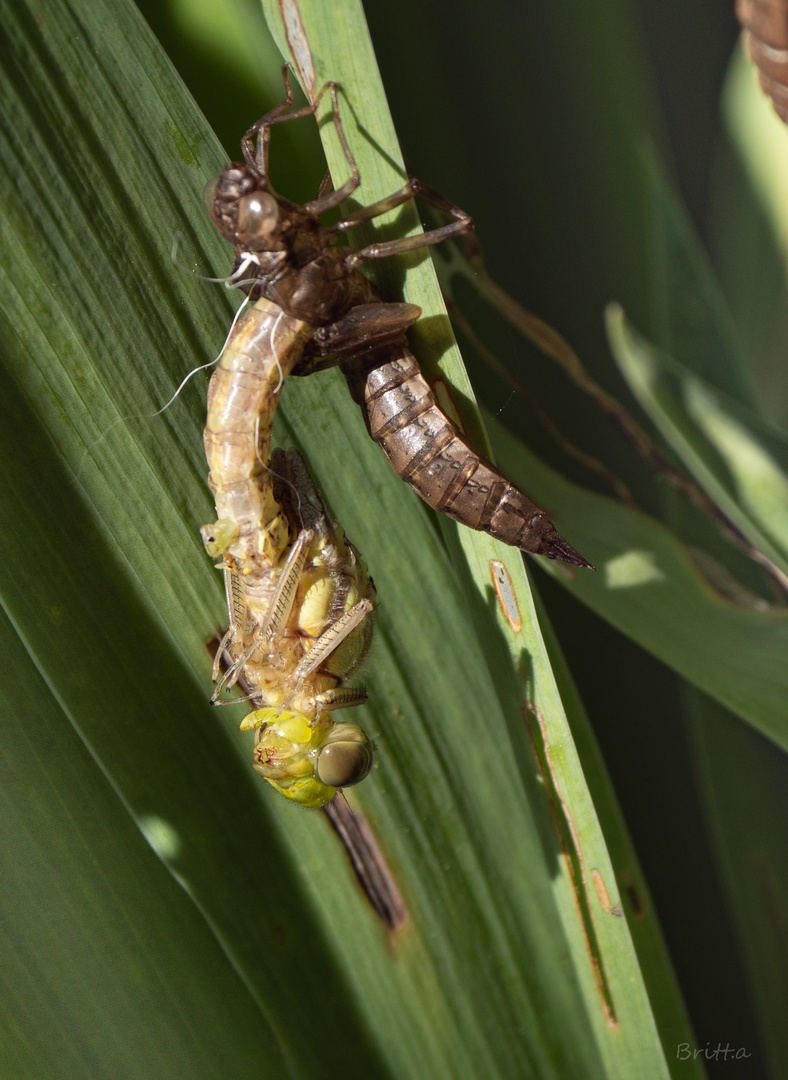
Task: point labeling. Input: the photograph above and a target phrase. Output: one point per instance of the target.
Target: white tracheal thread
(236, 279)
(281, 382)
(163, 409)
(278, 476)
(205, 367)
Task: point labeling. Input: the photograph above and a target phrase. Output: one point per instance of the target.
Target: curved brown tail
(767, 23)
(428, 452)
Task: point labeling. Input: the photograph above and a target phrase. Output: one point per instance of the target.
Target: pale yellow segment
(242, 399)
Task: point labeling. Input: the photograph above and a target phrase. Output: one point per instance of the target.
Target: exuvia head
(242, 211)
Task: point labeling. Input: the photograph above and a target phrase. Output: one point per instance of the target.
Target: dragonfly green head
(308, 762)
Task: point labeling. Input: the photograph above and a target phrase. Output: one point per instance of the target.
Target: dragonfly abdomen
(426, 450)
(251, 531)
(767, 23)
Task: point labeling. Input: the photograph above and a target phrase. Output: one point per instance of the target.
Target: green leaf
(743, 784)
(724, 447)
(109, 967)
(689, 613)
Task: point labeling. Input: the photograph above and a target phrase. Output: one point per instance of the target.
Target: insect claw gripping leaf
(330, 310)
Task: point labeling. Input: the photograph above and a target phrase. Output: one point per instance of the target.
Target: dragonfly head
(308, 762)
(243, 211)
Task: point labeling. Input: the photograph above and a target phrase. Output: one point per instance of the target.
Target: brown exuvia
(767, 40)
(283, 253)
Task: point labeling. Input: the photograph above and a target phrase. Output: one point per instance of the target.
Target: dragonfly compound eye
(258, 219)
(345, 758)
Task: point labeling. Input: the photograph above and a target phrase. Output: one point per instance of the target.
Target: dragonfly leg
(328, 642)
(461, 224)
(217, 660)
(342, 697)
(327, 199)
(256, 154)
(233, 673)
(282, 601)
(266, 636)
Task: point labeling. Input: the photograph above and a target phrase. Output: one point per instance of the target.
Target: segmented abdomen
(767, 23)
(428, 452)
(251, 532)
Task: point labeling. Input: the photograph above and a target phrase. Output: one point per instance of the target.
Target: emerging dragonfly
(331, 315)
(299, 596)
